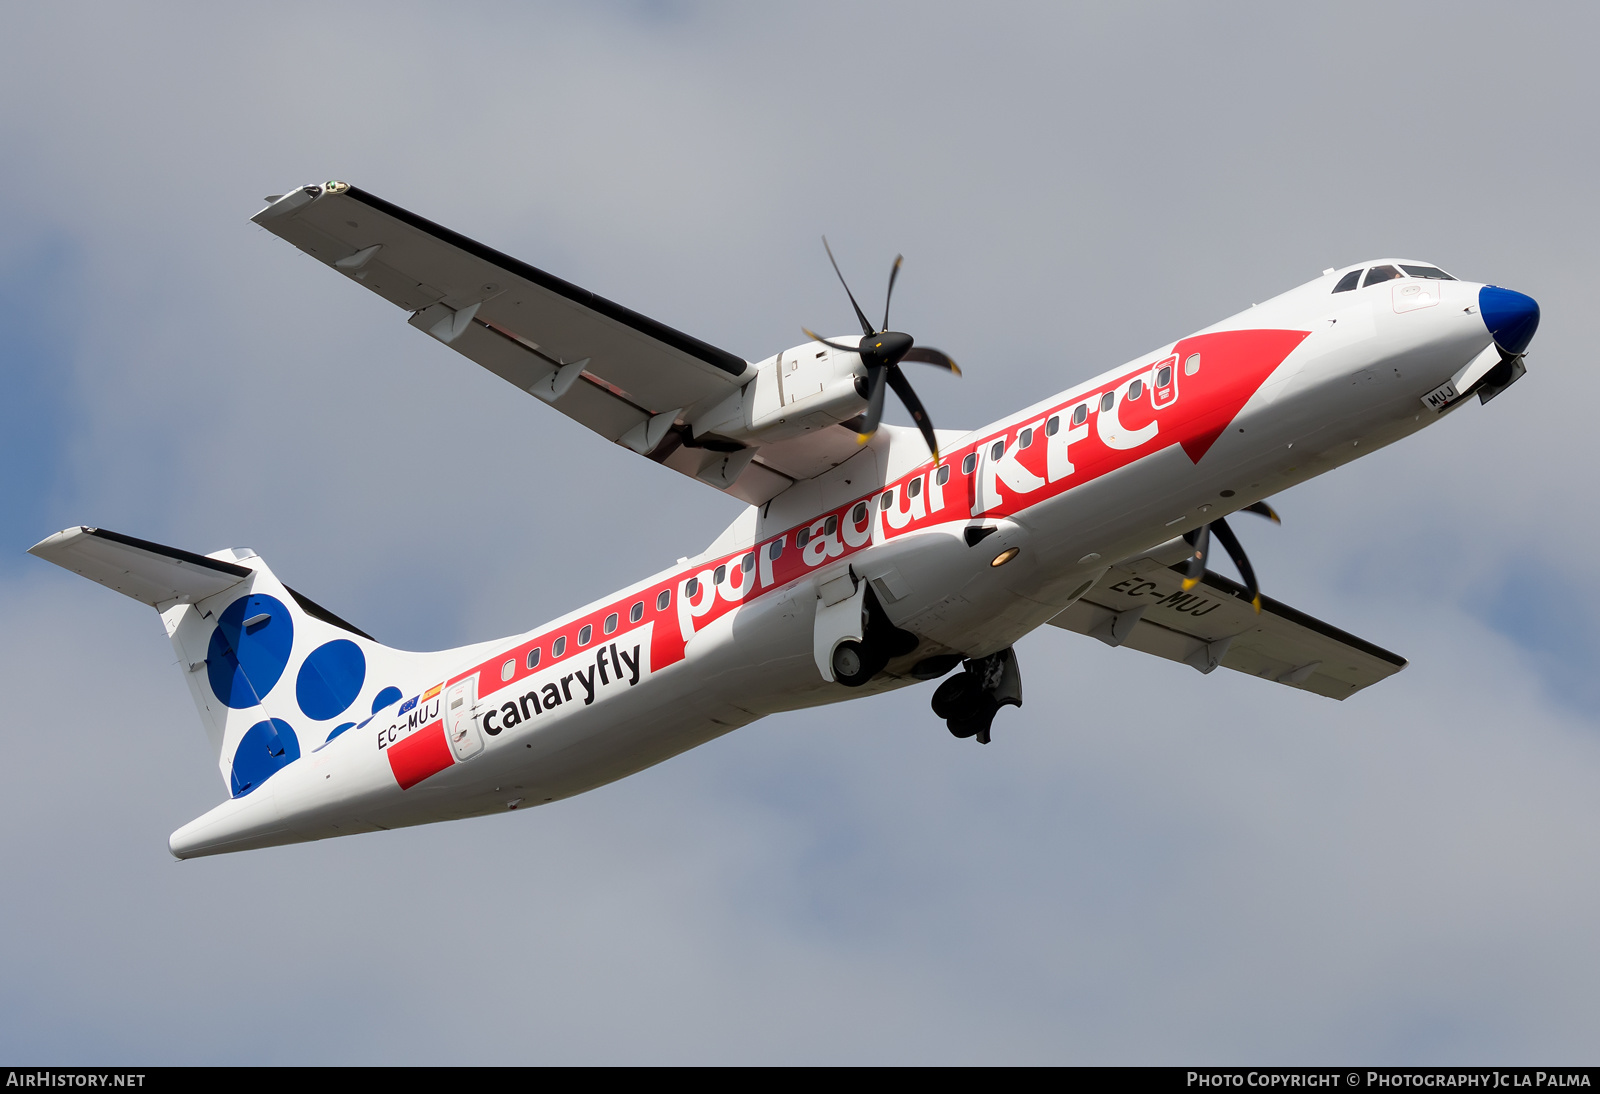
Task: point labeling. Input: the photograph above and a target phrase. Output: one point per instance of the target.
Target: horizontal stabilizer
(1141, 604)
(149, 572)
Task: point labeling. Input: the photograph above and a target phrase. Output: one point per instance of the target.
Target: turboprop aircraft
(869, 557)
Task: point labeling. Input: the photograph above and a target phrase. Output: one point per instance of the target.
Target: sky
(1146, 866)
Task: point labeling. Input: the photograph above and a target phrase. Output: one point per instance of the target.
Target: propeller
(1200, 540)
(883, 351)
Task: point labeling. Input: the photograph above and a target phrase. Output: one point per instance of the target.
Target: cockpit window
(1380, 273)
(1433, 273)
(1348, 281)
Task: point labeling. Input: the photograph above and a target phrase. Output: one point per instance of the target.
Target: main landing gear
(854, 663)
(969, 700)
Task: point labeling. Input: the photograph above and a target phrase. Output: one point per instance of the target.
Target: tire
(851, 665)
(977, 723)
(959, 697)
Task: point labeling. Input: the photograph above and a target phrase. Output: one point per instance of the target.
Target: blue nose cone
(1511, 317)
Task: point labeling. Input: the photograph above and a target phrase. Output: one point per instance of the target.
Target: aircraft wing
(629, 378)
(1140, 603)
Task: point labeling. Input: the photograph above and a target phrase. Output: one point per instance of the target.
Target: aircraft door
(461, 719)
(1164, 383)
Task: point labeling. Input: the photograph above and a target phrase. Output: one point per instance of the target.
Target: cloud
(1146, 866)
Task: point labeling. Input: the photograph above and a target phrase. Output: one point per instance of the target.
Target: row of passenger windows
(1080, 414)
(1379, 274)
(585, 634)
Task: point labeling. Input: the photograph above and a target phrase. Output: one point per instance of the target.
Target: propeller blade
(1230, 543)
(927, 355)
(866, 327)
(815, 337)
(902, 388)
(1263, 509)
(894, 272)
(1195, 568)
(869, 420)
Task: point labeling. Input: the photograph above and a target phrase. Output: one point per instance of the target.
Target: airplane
(869, 557)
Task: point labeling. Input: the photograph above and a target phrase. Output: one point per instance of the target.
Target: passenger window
(915, 486)
(1025, 438)
(533, 658)
(748, 563)
(775, 549)
(585, 633)
(1135, 389)
(802, 537)
(1080, 414)
(1053, 426)
(1432, 273)
(887, 499)
(636, 612)
(1164, 376)
(691, 587)
(1107, 401)
(859, 513)
(509, 669)
(1379, 274)
(663, 600)
(611, 622)
(1348, 281)
(969, 463)
(717, 578)
(830, 526)
(558, 647)
(1191, 364)
(944, 474)
(997, 450)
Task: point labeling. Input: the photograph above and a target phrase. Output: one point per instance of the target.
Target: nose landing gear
(969, 700)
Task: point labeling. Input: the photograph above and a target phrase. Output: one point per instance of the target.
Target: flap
(1140, 603)
(626, 376)
(148, 572)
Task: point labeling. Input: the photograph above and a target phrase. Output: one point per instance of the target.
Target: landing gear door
(841, 617)
(461, 719)
(1164, 383)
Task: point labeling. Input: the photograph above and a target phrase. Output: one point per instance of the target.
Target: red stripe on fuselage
(1232, 367)
(424, 753)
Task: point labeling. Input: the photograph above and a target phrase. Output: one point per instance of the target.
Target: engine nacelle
(798, 391)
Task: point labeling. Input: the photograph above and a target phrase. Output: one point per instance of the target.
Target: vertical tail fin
(272, 673)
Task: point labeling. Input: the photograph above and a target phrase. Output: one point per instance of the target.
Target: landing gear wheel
(851, 666)
(969, 700)
(976, 725)
(958, 698)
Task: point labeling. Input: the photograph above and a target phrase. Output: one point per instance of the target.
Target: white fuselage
(1266, 399)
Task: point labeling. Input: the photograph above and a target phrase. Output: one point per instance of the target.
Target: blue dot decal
(340, 729)
(265, 747)
(385, 697)
(249, 649)
(330, 679)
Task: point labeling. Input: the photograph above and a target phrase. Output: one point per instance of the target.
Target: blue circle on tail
(264, 749)
(330, 679)
(388, 695)
(249, 649)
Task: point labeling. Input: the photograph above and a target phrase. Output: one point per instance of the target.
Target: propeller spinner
(883, 351)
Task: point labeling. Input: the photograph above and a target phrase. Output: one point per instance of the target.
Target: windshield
(1432, 272)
